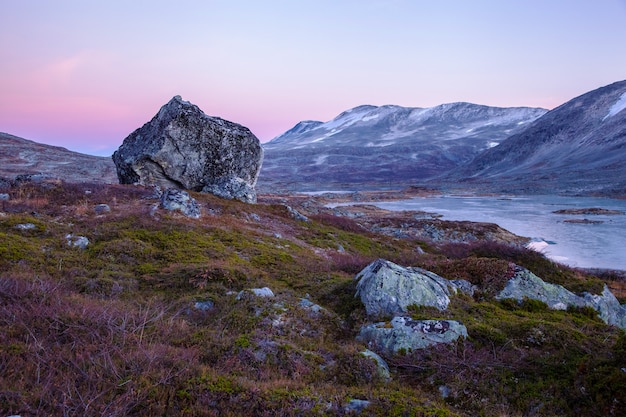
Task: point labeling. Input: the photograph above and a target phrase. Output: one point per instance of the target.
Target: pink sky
(84, 74)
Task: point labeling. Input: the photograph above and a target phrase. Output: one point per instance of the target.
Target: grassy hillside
(146, 320)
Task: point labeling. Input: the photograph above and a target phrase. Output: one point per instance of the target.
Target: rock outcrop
(181, 147)
(525, 284)
(387, 289)
(404, 334)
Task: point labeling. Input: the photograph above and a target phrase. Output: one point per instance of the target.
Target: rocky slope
(579, 147)
(22, 157)
(376, 147)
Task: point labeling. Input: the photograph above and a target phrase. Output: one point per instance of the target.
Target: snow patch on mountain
(617, 107)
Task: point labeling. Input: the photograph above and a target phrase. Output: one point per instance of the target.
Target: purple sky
(83, 74)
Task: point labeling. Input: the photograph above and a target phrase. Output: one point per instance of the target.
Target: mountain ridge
(577, 147)
(23, 156)
(418, 143)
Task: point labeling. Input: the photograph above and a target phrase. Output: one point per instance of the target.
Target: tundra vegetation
(150, 318)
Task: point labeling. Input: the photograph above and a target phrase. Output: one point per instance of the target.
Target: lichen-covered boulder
(181, 147)
(387, 289)
(525, 284)
(608, 307)
(404, 334)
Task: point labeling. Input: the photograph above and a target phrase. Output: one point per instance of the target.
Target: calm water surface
(581, 245)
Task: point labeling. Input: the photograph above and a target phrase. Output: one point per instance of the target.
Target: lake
(581, 245)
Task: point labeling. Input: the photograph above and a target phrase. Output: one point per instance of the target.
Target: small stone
(204, 305)
(259, 292)
(80, 242)
(102, 208)
(4, 197)
(356, 406)
(296, 214)
(25, 226)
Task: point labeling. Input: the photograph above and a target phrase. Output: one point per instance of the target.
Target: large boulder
(525, 284)
(181, 147)
(402, 334)
(387, 289)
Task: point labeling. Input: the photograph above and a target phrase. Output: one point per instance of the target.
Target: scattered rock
(310, 305)
(38, 177)
(444, 391)
(387, 289)
(102, 209)
(406, 335)
(259, 292)
(383, 368)
(25, 226)
(296, 214)
(525, 284)
(175, 199)
(80, 242)
(356, 406)
(181, 147)
(204, 305)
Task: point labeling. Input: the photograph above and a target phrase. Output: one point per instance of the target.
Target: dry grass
(112, 330)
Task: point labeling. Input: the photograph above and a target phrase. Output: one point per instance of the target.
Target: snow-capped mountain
(387, 146)
(579, 147)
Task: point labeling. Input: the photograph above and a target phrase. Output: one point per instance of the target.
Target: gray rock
(204, 305)
(259, 292)
(383, 368)
(174, 199)
(404, 334)
(310, 305)
(608, 307)
(525, 284)
(356, 406)
(387, 289)
(445, 391)
(4, 197)
(25, 226)
(296, 214)
(181, 147)
(102, 208)
(80, 242)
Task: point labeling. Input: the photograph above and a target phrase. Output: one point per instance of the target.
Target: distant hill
(579, 147)
(378, 147)
(21, 156)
